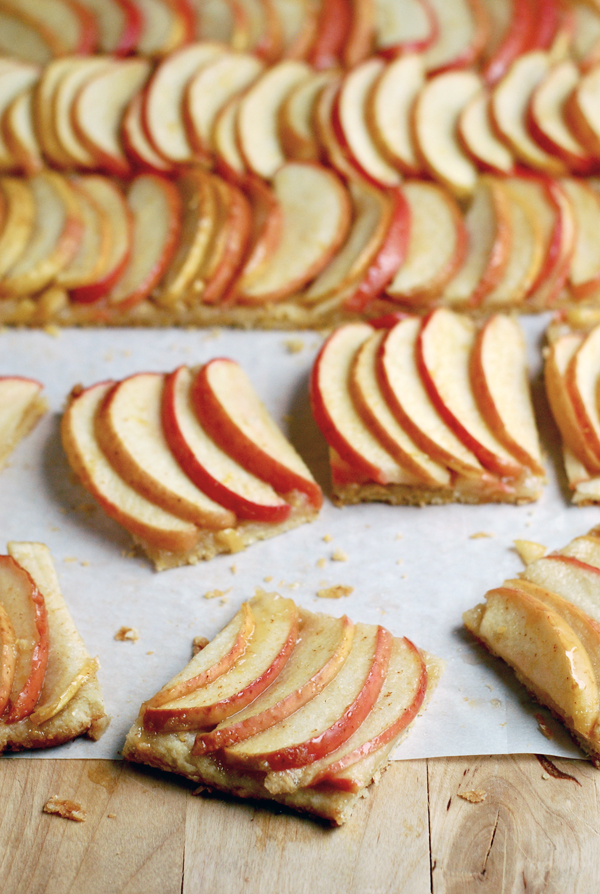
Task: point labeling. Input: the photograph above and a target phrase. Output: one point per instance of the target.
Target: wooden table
(146, 832)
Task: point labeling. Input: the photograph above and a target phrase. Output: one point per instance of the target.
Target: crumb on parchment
(321, 563)
(216, 594)
(474, 796)
(479, 535)
(70, 810)
(294, 345)
(335, 592)
(327, 538)
(339, 556)
(127, 634)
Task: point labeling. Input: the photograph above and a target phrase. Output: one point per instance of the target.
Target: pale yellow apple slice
(129, 432)
(586, 548)
(570, 577)
(216, 20)
(582, 109)
(509, 104)
(160, 529)
(261, 28)
(298, 24)
(277, 625)
(229, 158)
(437, 243)
(359, 38)
(14, 80)
(54, 240)
(258, 112)
(584, 274)
(64, 95)
(500, 384)
(435, 121)
(335, 412)
(324, 644)
(351, 124)
(118, 25)
(581, 379)
(328, 719)
(296, 123)
(19, 220)
(163, 28)
(43, 108)
(544, 651)
(409, 400)
(463, 30)
(20, 136)
(400, 27)
(267, 226)
(37, 45)
(8, 657)
(316, 217)
(231, 242)
(389, 110)
(585, 45)
(69, 663)
(163, 99)
(479, 139)
(214, 660)
(58, 17)
(211, 88)
(21, 406)
(372, 406)
(135, 140)
(91, 258)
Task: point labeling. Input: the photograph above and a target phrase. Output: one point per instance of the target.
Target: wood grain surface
(534, 828)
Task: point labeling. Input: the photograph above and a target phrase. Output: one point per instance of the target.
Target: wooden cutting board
(534, 828)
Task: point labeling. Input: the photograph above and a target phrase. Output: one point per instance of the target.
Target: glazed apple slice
(19, 220)
(8, 658)
(570, 577)
(584, 273)
(316, 217)
(585, 548)
(232, 237)
(158, 528)
(26, 609)
(19, 134)
(463, 30)
(136, 144)
(437, 243)
(478, 138)
(328, 719)
(296, 124)
(411, 404)
(14, 80)
(269, 648)
(119, 24)
(64, 96)
(581, 379)
(155, 206)
(504, 399)
(333, 26)
(336, 415)
(409, 28)
(91, 258)
(267, 227)
(43, 109)
(129, 431)
(324, 644)
(216, 659)
(210, 468)
(436, 114)
(389, 111)
(328, 135)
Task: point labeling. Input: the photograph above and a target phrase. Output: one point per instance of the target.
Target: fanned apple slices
(546, 626)
(49, 693)
(288, 705)
(188, 462)
(428, 410)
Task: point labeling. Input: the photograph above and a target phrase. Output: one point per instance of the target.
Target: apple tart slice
(189, 462)
(287, 705)
(21, 407)
(430, 410)
(49, 693)
(546, 626)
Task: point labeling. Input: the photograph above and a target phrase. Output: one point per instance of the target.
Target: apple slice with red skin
(298, 26)
(119, 24)
(584, 274)
(37, 44)
(210, 468)
(229, 161)
(214, 660)
(328, 719)
(581, 111)
(230, 243)
(129, 431)
(160, 529)
(71, 24)
(397, 705)
(44, 109)
(155, 205)
(389, 111)
(19, 134)
(359, 43)
(334, 152)
(14, 80)
(463, 30)
(323, 646)
(569, 577)
(586, 548)
(296, 125)
(581, 379)
(517, 38)
(18, 223)
(164, 28)
(63, 97)
(26, 609)
(408, 28)
(92, 256)
(443, 355)
(333, 27)
(8, 658)
(479, 140)
(269, 648)
(136, 144)
(232, 414)
(336, 415)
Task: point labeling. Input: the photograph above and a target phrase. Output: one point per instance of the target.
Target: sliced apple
(229, 161)
(436, 114)
(269, 648)
(136, 144)
(19, 134)
(43, 109)
(91, 258)
(463, 29)
(316, 217)
(334, 151)
(232, 237)
(478, 138)
(330, 718)
(19, 221)
(155, 205)
(408, 28)
(296, 123)
(63, 98)
(267, 227)
(571, 577)
(8, 658)
(164, 28)
(584, 273)
(216, 659)
(323, 646)
(216, 20)
(210, 468)
(513, 28)
(437, 244)
(73, 27)
(581, 379)
(130, 434)
(26, 609)
(333, 27)
(585, 45)
(158, 528)
(585, 548)
(36, 44)
(14, 81)
(21, 405)
(581, 111)
(389, 111)
(119, 24)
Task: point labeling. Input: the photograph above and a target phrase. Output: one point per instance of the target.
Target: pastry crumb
(199, 643)
(216, 594)
(233, 569)
(399, 536)
(111, 815)
(398, 561)
(70, 559)
(339, 556)
(335, 592)
(294, 345)
(127, 634)
(479, 535)
(321, 563)
(474, 796)
(70, 810)
(529, 551)
(268, 578)
(327, 538)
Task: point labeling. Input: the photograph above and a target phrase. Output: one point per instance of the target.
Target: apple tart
(49, 692)
(546, 626)
(415, 411)
(189, 462)
(287, 705)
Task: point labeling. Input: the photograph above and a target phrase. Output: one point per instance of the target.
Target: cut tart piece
(416, 411)
(287, 705)
(21, 407)
(49, 692)
(187, 490)
(546, 626)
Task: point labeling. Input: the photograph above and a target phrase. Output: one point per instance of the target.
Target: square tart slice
(546, 626)
(189, 462)
(49, 692)
(428, 410)
(287, 705)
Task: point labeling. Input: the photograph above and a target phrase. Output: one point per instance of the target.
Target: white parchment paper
(413, 570)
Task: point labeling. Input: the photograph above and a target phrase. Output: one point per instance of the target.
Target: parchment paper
(414, 570)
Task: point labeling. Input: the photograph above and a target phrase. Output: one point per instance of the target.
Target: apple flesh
(8, 658)
(581, 380)
(18, 223)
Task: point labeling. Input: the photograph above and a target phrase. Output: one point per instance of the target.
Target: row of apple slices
(546, 625)
(43, 661)
(303, 697)
(419, 403)
(188, 460)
